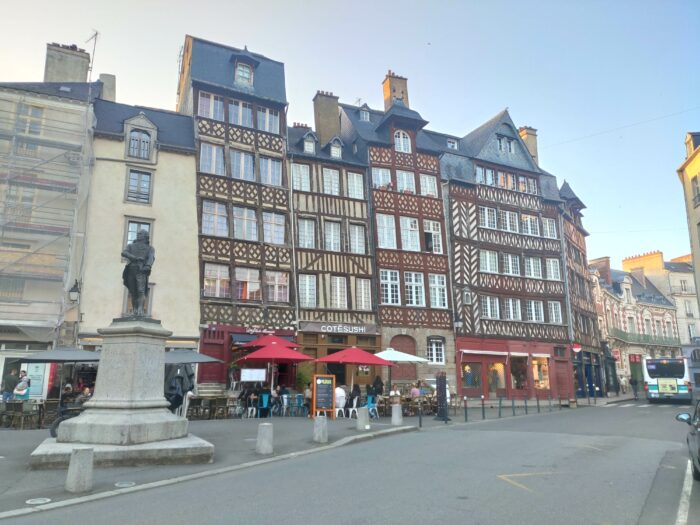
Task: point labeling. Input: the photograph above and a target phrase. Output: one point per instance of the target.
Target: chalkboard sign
(324, 394)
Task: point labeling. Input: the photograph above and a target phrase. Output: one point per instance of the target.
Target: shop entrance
(495, 379)
(337, 369)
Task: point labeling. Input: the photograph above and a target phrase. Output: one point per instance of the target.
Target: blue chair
(372, 407)
(298, 407)
(264, 402)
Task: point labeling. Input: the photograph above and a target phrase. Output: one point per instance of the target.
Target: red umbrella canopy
(354, 356)
(276, 354)
(269, 340)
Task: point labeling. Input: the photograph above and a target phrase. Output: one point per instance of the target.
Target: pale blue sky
(571, 69)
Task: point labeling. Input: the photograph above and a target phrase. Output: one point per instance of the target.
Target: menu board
(324, 393)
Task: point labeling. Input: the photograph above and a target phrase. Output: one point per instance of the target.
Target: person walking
(635, 387)
(9, 383)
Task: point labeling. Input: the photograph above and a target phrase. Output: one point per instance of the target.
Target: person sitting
(84, 396)
(415, 391)
(67, 400)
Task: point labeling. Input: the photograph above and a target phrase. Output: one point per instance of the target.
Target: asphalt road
(622, 464)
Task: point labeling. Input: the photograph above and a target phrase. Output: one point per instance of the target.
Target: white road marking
(644, 406)
(628, 405)
(684, 503)
(611, 405)
(664, 406)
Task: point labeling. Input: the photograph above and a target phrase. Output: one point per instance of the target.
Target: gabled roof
(69, 90)
(644, 293)
(472, 143)
(295, 147)
(175, 130)
(568, 194)
(398, 112)
(678, 267)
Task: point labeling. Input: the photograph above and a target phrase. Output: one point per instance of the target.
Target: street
(610, 464)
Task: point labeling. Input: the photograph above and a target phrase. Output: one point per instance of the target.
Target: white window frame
(479, 175)
(242, 163)
(510, 264)
(268, 174)
(438, 290)
(212, 214)
(508, 221)
(533, 267)
(140, 192)
(213, 108)
(487, 217)
(332, 236)
(215, 275)
(529, 225)
(250, 275)
(553, 269)
(410, 234)
(428, 185)
(402, 141)
(511, 309)
(433, 229)
(236, 116)
(549, 228)
(249, 220)
(452, 144)
(488, 261)
(363, 294)
(356, 236)
(435, 351)
(336, 151)
(554, 311)
(274, 224)
(489, 307)
(268, 120)
(301, 177)
(534, 311)
(390, 287)
(414, 283)
(339, 292)
(307, 291)
(364, 115)
(405, 181)
(355, 185)
(381, 178)
(307, 233)
(212, 156)
(244, 79)
(276, 286)
(386, 231)
(331, 181)
(309, 145)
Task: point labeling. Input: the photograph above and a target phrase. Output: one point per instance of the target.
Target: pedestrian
(378, 385)
(8, 385)
(308, 394)
(21, 391)
(635, 387)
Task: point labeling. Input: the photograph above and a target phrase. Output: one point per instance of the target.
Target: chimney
(651, 262)
(529, 136)
(395, 87)
(638, 273)
(602, 264)
(66, 63)
(326, 116)
(109, 87)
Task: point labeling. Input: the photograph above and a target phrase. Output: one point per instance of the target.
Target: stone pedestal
(265, 442)
(396, 415)
(321, 429)
(363, 418)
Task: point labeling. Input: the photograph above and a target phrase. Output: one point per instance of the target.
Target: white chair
(353, 408)
(285, 404)
(340, 406)
(252, 409)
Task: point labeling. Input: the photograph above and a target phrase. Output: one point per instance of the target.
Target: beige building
(688, 174)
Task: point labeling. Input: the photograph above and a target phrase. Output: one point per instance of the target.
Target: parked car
(693, 438)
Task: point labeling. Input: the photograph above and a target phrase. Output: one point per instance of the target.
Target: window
(269, 120)
(628, 295)
(684, 285)
(301, 179)
(436, 351)
(409, 234)
(214, 219)
(490, 178)
(659, 330)
(363, 294)
(510, 264)
(240, 114)
(139, 144)
(357, 238)
(389, 287)
(471, 376)
(533, 267)
(487, 217)
(689, 308)
(488, 261)
(386, 231)
(428, 185)
(691, 332)
(356, 183)
(277, 287)
(364, 115)
(438, 290)
(307, 233)
(631, 325)
(647, 326)
(405, 181)
(415, 291)
(402, 142)
(549, 228)
(29, 120)
(554, 312)
(511, 309)
(332, 236)
(433, 236)
(511, 146)
(501, 144)
(307, 291)
(244, 74)
(133, 227)
(211, 159)
(248, 284)
(273, 227)
(270, 171)
(669, 329)
(695, 186)
(532, 186)
(480, 179)
(508, 220)
(210, 106)
(534, 311)
(339, 293)
(217, 281)
(530, 225)
(553, 270)
(522, 184)
(139, 189)
(489, 307)
(309, 145)
(242, 165)
(336, 151)
(245, 224)
(452, 144)
(331, 182)
(381, 178)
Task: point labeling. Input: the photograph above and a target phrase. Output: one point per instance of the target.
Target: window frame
(211, 112)
(240, 165)
(269, 176)
(527, 263)
(268, 120)
(129, 195)
(432, 189)
(435, 244)
(549, 266)
(549, 228)
(355, 182)
(215, 218)
(138, 147)
(511, 309)
(438, 291)
(410, 235)
(402, 141)
(431, 352)
(405, 181)
(274, 227)
(214, 158)
(247, 221)
(554, 314)
(301, 179)
(140, 221)
(488, 261)
(243, 80)
(219, 293)
(236, 289)
(274, 281)
(487, 216)
(331, 182)
(305, 293)
(489, 307)
(363, 297)
(242, 110)
(338, 293)
(329, 243)
(353, 238)
(304, 240)
(414, 288)
(383, 230)
(381, 173)
(389, 288)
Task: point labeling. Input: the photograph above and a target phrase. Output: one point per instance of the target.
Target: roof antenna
(94, 36)
(358, 101)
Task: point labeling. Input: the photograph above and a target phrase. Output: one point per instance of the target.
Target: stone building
(689, 176)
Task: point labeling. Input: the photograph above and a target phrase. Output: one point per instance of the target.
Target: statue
(141, 256)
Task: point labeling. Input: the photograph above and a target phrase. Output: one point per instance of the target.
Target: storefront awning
(519, 354)
(541, 355)
(485, 352)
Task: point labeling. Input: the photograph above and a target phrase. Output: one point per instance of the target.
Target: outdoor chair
(285, 405)
(194, 410)
(353, 408)
(217, 408)
(252, 409)
(50, 412)
(3, 413)
(264, 403)
(340, 407)
(372, 407)
(298, 408)
(23, 411)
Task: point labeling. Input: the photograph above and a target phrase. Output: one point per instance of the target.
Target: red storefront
(513, 369)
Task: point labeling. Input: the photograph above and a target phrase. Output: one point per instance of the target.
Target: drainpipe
(567, 290)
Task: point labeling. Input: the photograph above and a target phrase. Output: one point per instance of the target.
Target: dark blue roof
(214, 64)
(678, 267)
(645, 293)
(70, 90)
(568, 194)
(175, 130)
(399, 112)
(295, 147)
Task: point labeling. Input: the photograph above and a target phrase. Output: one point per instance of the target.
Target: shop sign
(323, 393)
(616, 354)
(337, 328)
(254, 330)
(635, 358)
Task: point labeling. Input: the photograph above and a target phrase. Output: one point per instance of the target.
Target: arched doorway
(406, 371)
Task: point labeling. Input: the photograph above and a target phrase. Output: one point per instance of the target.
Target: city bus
(667, 378)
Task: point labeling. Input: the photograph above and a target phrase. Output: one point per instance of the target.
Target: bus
(667, 378)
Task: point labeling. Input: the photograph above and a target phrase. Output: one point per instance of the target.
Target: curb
(205, 474)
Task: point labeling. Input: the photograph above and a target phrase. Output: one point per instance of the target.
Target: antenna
(95, 34)
(358, 101)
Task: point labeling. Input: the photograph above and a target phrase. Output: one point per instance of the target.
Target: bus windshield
(666, 368)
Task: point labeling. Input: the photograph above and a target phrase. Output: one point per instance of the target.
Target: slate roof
(648, 294)
(398, 110)
(678, 267)
(175, 130)
(568, 194)
(214, 64)
(295, 147)
(70, 90)
(472, 143)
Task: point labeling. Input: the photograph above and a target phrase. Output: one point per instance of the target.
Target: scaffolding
(45, 159)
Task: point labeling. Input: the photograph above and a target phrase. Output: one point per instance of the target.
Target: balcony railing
(690, 290)
(644, 338)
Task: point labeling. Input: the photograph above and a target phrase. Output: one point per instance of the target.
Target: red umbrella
(274, 353)
(354, 356)
(270, 339)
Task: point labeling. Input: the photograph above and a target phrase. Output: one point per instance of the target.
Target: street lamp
(74, 292)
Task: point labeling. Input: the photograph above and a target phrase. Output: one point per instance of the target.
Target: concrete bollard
(396, 415)
(265, 438)
(321, 429)
(363, 418)
(79, 478)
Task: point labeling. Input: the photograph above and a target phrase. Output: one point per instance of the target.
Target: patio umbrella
(183, 356)
(274, 353)
(61, 355)
(354, 356)
(265, 340)
(399, 357)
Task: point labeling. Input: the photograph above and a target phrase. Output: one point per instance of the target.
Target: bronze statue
(141, 256)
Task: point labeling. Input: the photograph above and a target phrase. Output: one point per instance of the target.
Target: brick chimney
(109, 87)
(602, 264)
(529, 136)
(638, 273)
(326, 116)
(395, 87)
(66, 63)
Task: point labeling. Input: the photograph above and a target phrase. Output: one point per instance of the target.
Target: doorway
(337, 369)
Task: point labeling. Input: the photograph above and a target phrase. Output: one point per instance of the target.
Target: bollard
(500, 406)
(538, 403)
(79, 478)
(321, 429)
(466, 410)
(420, 412)
(560, 403)
(483, 408)
(363, 418)
(525, 406)
(396, 415)
(264, 443)
(550, 402)
(512, 402)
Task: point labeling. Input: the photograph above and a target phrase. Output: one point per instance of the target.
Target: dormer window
(244, 74)
(336, 151)
(402, 142)
(309, 146)
(139, 144)
(364, 115)
(451, 144)
(511, 146)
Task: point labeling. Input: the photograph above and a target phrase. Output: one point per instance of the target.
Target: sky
(608, 85)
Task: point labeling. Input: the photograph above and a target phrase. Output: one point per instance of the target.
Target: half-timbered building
(238, 100)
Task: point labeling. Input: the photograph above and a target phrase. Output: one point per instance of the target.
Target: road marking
(611, 405)
(506, 478)
(628, 405)
(644, 406)
(684, 503)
